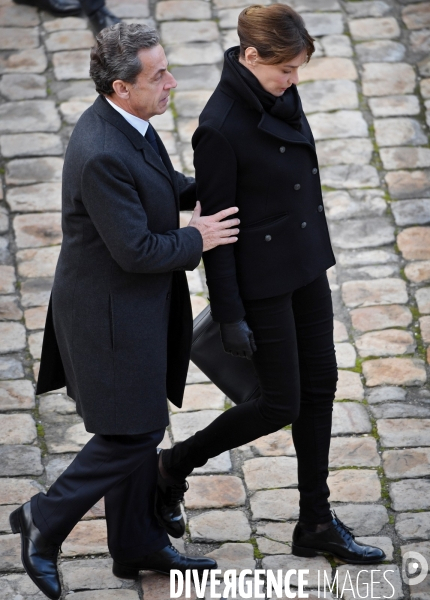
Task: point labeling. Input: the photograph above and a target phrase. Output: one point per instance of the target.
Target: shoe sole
(15, 525)
(124, 572)
(14, 521)
(311, 553)
(172, 532)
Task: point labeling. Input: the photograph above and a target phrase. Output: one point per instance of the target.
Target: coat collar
(232, 84)
(280, 129)
(105, 110)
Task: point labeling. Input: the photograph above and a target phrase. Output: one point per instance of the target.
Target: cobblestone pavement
(367, 94)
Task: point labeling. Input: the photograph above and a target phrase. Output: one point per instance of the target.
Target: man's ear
(121, 88)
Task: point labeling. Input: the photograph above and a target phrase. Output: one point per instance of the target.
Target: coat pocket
(266, 222)
(268, 240)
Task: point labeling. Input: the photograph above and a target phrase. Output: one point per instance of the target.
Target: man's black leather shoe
(337, 540)
(59, 8)
(38, 555)
(168, 504)
(162, 562)
(102, 18)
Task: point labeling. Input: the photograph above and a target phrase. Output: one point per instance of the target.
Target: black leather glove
(238, 339)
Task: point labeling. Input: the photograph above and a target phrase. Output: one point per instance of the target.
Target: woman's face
(275, 79)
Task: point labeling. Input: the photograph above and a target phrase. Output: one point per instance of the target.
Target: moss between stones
(257, 553)
(384, 488)
(40, 433)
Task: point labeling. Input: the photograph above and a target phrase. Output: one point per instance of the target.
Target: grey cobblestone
(219, 526)
(354, 452)
(375, 8)
(317, 567)
(20, 460)
(33, 144)
(386, 79)
(389, 106)
(215, 491)
(33, 170)
(18, 38)
(329, 68)
(380, 51)
(419, 271)
(390, 585)
(397, 132)
(408, 184)
(24, 61)
(34, 198)
(341, 124)
(374, 28)
(88, 575)
(411, 526)
(356, 151)
(28, 115)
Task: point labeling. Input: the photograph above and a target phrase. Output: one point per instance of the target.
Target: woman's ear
(251, 56)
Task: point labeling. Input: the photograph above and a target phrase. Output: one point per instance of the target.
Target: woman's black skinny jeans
(296, 367)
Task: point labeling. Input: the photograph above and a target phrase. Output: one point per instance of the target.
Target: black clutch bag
(232, 375)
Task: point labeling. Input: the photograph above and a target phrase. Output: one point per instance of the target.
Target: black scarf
(287, 107)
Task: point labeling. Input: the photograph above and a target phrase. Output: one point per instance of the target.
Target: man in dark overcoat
(119, 324)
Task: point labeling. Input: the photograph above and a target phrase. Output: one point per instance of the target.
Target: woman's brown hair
(277, 32)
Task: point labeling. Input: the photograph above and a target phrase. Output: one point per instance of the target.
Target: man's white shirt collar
(135, 122)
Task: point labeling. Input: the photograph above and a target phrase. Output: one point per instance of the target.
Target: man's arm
(110, 197)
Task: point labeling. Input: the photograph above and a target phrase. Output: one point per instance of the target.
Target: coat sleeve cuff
(226, 303)
(194, 241)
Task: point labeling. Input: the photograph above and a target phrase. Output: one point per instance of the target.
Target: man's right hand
(215, 231)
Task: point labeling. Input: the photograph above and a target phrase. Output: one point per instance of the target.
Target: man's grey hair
(115, 54)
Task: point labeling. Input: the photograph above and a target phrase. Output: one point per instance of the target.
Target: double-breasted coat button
(303, 224)
(297, 186)
(282, 149)
(314, 171)
(320, 208)
(268, 238)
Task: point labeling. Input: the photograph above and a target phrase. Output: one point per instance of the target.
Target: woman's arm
(187, 191)
(216, 176)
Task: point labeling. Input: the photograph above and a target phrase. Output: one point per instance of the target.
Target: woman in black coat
(270, 294)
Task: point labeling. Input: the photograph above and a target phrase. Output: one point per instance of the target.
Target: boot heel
(124, 572)
(304, 552)
(15, 525)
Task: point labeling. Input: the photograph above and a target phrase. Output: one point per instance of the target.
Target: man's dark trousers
(123, 469)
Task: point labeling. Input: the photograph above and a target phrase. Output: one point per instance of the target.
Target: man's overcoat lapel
(163, 166)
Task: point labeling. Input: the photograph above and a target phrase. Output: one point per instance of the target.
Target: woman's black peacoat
(246, 157)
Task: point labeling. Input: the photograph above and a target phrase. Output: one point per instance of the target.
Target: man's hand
(215, 231)
(238, 339)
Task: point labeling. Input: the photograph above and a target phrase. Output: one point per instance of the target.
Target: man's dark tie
(150, 136)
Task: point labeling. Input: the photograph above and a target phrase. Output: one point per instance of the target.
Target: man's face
(149, 95)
